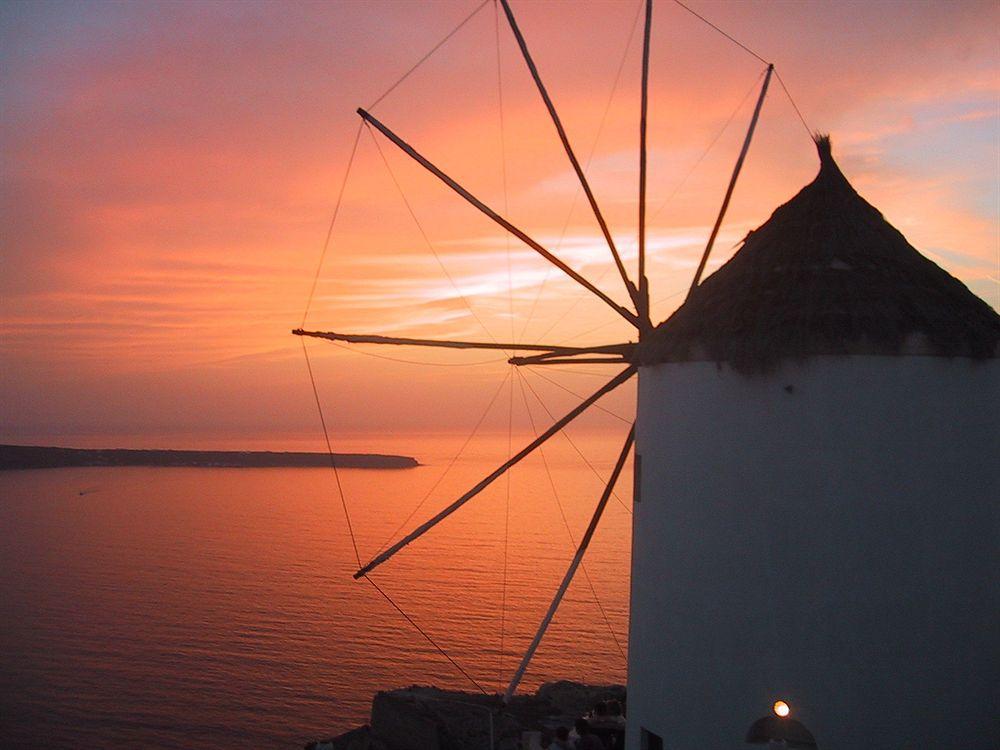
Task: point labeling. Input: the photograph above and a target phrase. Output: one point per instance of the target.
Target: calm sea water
(213, 607)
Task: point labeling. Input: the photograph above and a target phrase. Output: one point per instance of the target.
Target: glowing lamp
(778, 730)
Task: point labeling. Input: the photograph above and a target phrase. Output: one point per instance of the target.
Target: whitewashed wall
(827, 535)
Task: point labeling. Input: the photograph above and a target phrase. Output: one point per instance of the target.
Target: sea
(208, 608)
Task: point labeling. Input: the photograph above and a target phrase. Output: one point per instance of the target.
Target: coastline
(19, 457)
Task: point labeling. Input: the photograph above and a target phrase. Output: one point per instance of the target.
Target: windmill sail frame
(627, 353)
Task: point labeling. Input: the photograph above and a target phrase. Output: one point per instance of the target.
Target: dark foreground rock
(426, 718)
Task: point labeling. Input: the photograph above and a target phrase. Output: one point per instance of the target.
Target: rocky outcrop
(356, 739)
(574, 699)
(427, 718)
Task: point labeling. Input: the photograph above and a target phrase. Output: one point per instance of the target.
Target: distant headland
(39, 457)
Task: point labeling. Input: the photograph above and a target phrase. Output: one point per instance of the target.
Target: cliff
(427, 718)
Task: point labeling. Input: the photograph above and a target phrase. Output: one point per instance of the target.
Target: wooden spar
(569, 152)
(550, 355)
(624, 350)
(732, 181)
(576, 411)
(643, 302)
(560, 358)
(527, 361)
(577, 559)
(412, 153)
(368, 338)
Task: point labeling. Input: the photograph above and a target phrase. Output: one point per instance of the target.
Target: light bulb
(781, 709)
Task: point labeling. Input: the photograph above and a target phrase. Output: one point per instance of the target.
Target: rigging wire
(432, 50)
(333, 220)
(322, 417)
(562, 514)
(506, 532)
(711, 144)
(503, 171)
(354, 541)
(521, 379)
(573, 306)
(587, 332)
(659, 210)
(350, 528)
(426, 635)
(477, 363)
(590, 157)
(427, 240)
(510, 314)
(794, 105)
(447, 468)
(612, 322)
(579, 452)
(734, 40)
(570, 391)
(740, 44)
(329, 450)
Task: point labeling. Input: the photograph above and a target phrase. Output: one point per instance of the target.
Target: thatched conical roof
(826, 274)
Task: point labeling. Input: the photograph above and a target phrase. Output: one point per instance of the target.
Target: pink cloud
(170, 170)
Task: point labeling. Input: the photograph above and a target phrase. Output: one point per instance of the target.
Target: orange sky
(170, 169)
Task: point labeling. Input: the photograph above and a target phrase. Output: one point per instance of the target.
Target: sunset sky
(169, 172)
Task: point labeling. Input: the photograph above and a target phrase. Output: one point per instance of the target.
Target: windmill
(784, 444)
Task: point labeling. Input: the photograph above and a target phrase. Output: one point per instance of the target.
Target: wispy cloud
(170, 169)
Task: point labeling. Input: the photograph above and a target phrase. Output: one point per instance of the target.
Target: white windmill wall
(826, 535)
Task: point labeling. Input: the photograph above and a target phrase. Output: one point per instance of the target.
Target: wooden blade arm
(369, 338)
(577, 559)
(410, 151)
(732, 181)
(484, 483)
(569, 152)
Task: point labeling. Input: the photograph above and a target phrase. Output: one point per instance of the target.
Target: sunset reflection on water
(192, 607)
